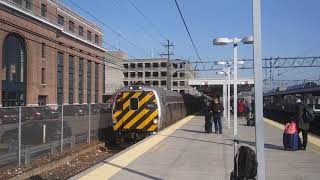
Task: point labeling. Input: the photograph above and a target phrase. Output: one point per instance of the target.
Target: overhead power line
(187, 29)
(148, 20)
(111, 29)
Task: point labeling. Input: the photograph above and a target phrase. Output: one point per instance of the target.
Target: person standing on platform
(302, 124)
(241, 107)
(217, 110)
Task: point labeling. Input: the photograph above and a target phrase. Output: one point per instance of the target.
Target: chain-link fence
(27, 133)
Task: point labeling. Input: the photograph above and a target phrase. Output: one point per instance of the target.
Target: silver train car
(144, 110)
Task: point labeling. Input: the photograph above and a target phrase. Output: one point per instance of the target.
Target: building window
(43, 76)
(147, 65)
(71, 26)
(125, 66)
(89, 82)
(132, 65)
(175, 74)
(43, 50)
(80, 31)
(175, 65)
(155, 74)
(43, 10)
(71, 79)
(163, 73)
(96, 39)
(125, 83)
(89, 35)
(175, 83)
(155, 65)
(147, 82)
(96, 83)
(163, 83)
(132, 74)
(28, 4)
(163, 64)
(80, 81)
(140, 74)
(18, 2)
(60, 20)
(140, 65)
(14, 77)
(181, 83)
(182, 74)
(60, 78)
(147, 74)
(125, 74)
(104, 78)
(155, 83)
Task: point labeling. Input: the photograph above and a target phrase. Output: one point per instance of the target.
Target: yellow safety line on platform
(312, 139)
(110, 168)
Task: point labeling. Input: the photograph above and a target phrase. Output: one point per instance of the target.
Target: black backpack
(245, 164)
(308, 114)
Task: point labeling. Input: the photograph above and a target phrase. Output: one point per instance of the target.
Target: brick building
(48, 55)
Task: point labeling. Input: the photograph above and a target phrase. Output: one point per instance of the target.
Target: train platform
(184, 151)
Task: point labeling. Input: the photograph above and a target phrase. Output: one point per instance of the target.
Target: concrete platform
(184, 151)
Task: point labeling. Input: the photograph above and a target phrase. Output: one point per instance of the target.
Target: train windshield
(134, 104)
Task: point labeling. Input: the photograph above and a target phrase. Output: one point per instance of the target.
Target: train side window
(134, 104)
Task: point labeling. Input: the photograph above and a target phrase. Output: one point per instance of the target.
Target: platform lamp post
(226, 93)
(235, 42)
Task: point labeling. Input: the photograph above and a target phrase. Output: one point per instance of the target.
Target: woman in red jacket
(240, 107)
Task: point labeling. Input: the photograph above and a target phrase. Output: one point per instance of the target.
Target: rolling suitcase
(208, 127)
(291, 137)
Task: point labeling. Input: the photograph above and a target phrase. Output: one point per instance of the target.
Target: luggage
(208, 127)
(250, 122)
(291, 141)
(245, 164)
(308, 114)
(291, 137)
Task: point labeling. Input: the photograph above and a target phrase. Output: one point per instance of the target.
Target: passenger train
(284, 99)
(143, 110)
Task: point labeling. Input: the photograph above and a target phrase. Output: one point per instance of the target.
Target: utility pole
(168, 54)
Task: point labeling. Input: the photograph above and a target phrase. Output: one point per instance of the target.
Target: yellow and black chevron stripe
(140, 119)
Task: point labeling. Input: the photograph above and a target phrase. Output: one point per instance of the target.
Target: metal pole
(256, 14)
(19, 136)
(225, 96)
(168, 68)
(235, 90)
(61, 141)
(89, 129)
(228, 94)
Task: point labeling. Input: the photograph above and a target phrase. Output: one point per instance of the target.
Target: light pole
(235, 42)
(226, 90)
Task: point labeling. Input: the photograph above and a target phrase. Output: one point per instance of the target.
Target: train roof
(295, 89)
(160, 91)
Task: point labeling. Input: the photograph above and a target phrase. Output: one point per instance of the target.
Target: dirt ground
(68, 170)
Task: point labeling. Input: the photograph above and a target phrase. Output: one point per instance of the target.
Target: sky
(289, 28)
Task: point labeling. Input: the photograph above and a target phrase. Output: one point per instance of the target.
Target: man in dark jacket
(217, 110)
(303, 125)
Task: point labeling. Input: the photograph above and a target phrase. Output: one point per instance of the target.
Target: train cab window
(134, 104)
(118, 106)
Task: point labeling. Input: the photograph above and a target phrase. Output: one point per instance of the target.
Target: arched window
(14, 69)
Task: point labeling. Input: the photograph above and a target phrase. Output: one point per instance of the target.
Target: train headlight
(155, 121)
(114, 121)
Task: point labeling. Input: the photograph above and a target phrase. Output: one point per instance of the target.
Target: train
(283, 99)
(140, 110)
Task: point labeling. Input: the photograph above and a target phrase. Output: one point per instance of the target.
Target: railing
(31, 131)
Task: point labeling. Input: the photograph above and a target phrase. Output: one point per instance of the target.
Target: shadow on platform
(193, 139)
(133, 171)
(269, 146)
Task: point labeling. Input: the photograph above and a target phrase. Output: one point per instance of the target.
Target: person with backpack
(217, 110)
(302, 123)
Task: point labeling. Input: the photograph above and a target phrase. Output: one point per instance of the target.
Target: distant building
(154, 72)
(49, 55)
(113, 71)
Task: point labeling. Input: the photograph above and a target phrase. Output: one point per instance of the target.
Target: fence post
(19, 136)
(61, 141)
(89, 135)
(73, 141)
(27, 156)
